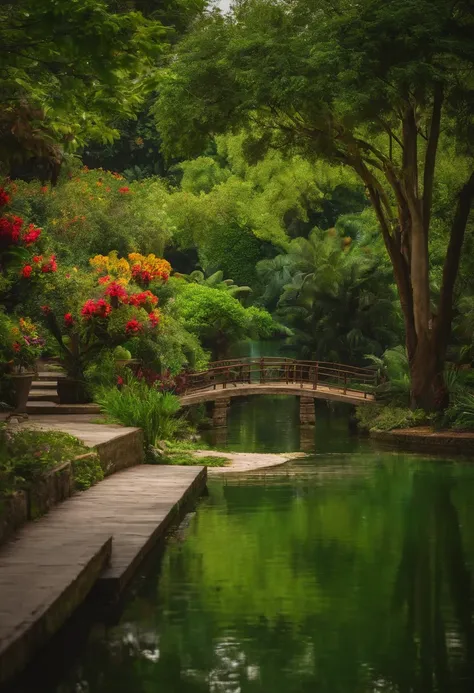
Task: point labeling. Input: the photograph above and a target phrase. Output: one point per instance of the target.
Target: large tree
(382, 86)
(68, 70)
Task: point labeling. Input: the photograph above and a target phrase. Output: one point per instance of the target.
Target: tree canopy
(68, 71)
(380, 87)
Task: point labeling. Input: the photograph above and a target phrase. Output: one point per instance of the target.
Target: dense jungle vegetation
(177, 178)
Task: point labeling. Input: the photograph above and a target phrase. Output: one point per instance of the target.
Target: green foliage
(120, 353)
(96, 212)
(339, 304)
(27, 454)
(87, 471)
(137, 404)
(218, 318)
(189, 460)
(326, 83)
(459, 416)
(374, 417)
(69, 70)
(217, 281)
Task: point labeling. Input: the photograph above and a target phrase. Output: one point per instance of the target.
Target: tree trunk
(428, 388)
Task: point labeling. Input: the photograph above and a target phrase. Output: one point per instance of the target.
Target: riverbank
(424, 439)
(241, 462)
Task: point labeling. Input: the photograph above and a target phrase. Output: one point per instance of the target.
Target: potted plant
(25, 348)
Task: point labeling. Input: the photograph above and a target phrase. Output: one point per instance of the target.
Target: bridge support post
(307, 413)
(219, 413)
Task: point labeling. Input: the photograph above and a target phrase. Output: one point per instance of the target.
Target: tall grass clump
(138, 404)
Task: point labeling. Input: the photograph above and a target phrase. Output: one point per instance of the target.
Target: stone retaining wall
(49, 490)
(443, 442)
(121, 452)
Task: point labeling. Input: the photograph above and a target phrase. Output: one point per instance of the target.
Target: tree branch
(451, 263)
(430, 158)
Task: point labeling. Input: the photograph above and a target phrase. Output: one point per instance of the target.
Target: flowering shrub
(139, 268)
(39, 265)
(146, 269)
(14, 232)
(84, 326)
(25, 345)
(95, 211)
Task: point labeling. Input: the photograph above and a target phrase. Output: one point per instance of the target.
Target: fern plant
(137, 404)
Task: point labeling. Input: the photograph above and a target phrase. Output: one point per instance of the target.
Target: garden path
(50, 566)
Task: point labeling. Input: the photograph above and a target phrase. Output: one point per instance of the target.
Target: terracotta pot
(72, 391)
(21, 389)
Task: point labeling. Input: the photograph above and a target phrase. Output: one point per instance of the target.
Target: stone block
(121, 452)
(49, 490)
(13, 514)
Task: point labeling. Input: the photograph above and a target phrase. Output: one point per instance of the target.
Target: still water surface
(340, 573)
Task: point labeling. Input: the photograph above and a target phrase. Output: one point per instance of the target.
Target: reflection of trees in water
(353, 580)
(433, 591)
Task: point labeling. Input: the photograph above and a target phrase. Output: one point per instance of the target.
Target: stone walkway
(51, 565)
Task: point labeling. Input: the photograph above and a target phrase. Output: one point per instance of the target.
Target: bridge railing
(232, 372)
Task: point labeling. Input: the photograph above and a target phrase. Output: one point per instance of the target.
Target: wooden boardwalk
(98, 536)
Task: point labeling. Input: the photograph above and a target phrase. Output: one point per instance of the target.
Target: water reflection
(337, 574)
(271, 424)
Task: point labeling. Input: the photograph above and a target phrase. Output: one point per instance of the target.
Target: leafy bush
(460, 414)
(375, 417)
(121, 353)
(26, 455)
(137, 404)
(87, 471)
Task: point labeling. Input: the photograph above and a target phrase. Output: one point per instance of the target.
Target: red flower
(68, 320)
(46, 310)
(154, 318)
(133, 327)
(16, 347)
(117, 290)
(104, 280)
(124, 190)
(4, 197)
(142, 299)
(37, 259)
(119, 380)
(88, 309)
(140, 275)
(32, 235)
(26, 271)
(102, 308)
(17, 223)
(44, 189)
(98, 309)
(50, 266)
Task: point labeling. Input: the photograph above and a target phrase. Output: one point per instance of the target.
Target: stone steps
(50, 407)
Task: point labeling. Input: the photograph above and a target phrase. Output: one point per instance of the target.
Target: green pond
(347, 571)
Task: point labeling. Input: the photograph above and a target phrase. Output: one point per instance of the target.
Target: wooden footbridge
(308, 380)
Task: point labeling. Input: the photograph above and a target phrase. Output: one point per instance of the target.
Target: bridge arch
(308, 380)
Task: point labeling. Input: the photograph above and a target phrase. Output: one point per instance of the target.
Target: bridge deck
(328, 392)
